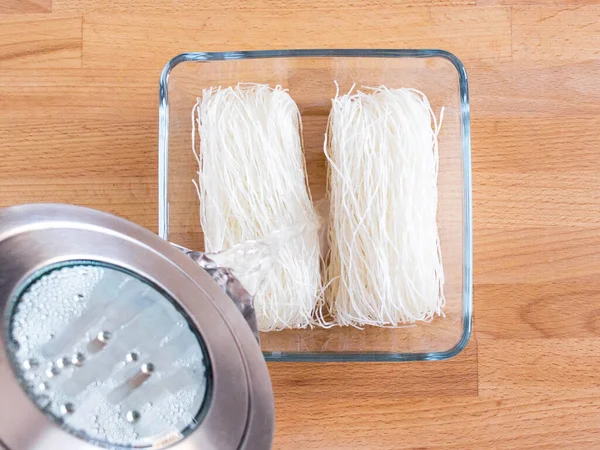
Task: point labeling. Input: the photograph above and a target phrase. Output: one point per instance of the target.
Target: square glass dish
(309, 75)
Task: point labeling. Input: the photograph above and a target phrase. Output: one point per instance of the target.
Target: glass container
(309, 75)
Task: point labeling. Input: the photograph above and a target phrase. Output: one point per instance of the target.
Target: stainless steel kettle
(114, 338)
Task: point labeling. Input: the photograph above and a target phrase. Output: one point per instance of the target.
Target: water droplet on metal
(78, 359)
(131, 357)
(52, 371)
(43, 386)
(132, 416)
(63, 362)
(104, 336)
(147, 368)
(67, 408)
(30, 364)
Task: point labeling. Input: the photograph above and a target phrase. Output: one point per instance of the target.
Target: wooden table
(79, 121)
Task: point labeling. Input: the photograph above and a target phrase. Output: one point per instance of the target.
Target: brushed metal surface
(240, 414)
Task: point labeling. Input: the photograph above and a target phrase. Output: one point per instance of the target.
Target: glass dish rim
(163, 211)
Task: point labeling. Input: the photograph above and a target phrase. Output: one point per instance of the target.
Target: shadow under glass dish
(111, 337)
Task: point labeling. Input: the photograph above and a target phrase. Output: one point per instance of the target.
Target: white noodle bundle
(252, 184)
(385, 266)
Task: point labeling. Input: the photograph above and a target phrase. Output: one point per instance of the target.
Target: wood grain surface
(79, 124)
